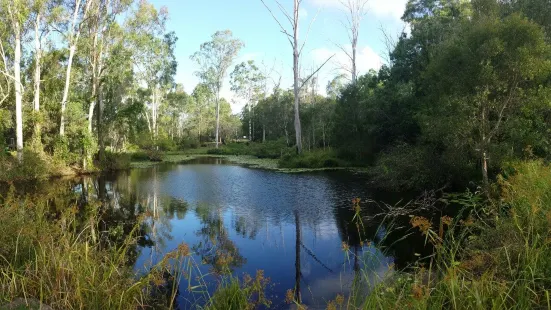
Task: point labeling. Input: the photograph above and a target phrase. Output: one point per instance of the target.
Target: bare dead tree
(293, 38)
(355, 13)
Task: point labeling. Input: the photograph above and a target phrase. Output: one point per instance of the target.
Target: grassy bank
(40, 165)
(497, 257)
(270, 156)
(58, 255)
(494, 255)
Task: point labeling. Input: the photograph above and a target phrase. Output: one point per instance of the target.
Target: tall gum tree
(18, 12)
(79, 14)
(155, 63)
(247, 82)
(214, 58)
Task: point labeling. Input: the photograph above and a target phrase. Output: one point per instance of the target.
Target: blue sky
(195, 21)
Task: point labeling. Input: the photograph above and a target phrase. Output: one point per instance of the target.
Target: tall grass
(499, 257)
(62, 259)
(61, 263)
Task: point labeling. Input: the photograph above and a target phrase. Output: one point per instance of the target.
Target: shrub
(154, 155)
(406, 167)
(165, 144)
(268, 149)
(315, 159)
(499, 257)
(115, 161)
(35, 165)
(139, 156)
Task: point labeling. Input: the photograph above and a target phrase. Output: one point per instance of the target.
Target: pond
(300, 229)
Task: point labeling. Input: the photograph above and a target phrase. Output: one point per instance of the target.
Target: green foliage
(115, 161)
(34, 165)
(313, 159)
(468, 88)
(154, 155)
(269, 149)
(496, 256)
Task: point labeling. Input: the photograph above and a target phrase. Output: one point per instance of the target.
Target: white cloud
(380, 8)
(302, 13)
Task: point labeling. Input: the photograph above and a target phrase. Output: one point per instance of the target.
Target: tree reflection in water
(215, 247)
(236, 221)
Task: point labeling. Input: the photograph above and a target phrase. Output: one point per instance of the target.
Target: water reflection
(238, 220)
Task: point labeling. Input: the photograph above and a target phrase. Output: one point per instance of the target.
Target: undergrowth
(497, 257)
(61, 258)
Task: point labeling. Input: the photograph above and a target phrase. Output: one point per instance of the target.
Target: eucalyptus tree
(154, 61)
(248, 82)
(17, 12)
(335, 86)
(75, 23)
(200, 111)
(214, 58)
(46, 13)
(104, 34)
(104, 37)
(6, 80)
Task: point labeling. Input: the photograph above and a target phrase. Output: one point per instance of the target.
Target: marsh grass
(63, 260)
(61, 263)
(498, 256)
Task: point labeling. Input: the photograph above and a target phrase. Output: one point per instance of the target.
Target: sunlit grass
(63, 260)
(499, 257)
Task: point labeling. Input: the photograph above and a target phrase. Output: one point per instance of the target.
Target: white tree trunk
(72, 51)
(354, 69)
(250, 123)
(217, 116)
(92, 106)
(95, 79)
(37, 68)
(73, 40)
(154, 108)
(18, 92)
(296, 89)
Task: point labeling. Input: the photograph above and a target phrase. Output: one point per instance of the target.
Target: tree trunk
(354, 49)
(72, 50)
(323, 134)
(37, 68)
(18, 93)
(95, 79)
(296, 89)
(485, 167)
(263, 133)
(483, 149)
(250, 123)
(73, 40)
(217, 116)
(101, 140)
(154, 113)
(92, 105)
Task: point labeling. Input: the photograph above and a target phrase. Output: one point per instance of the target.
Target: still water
(291, 226)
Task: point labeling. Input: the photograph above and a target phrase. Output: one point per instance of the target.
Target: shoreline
(248, 161)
